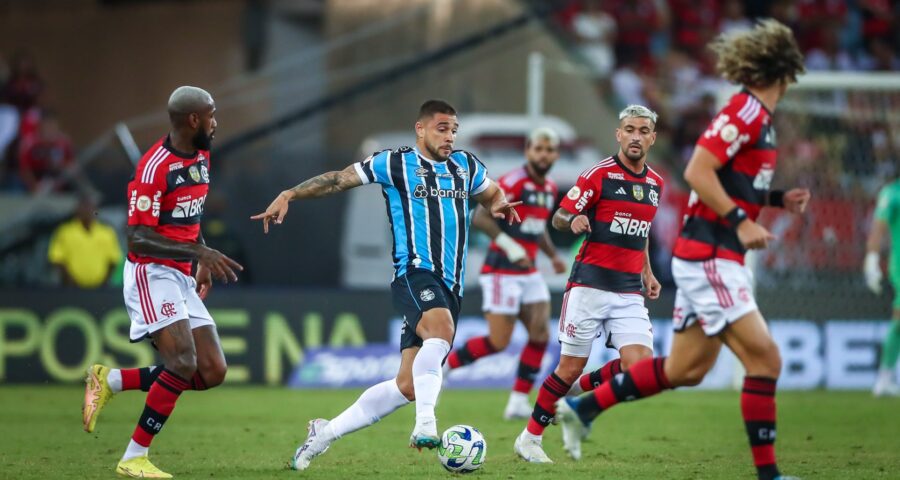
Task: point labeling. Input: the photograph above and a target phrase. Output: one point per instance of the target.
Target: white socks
(114, 379)
(135, 450)
(427, 376)
(374, 404)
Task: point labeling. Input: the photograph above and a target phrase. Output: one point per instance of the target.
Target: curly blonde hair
(759, 57)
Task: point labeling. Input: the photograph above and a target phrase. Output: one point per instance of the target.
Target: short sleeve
(883, 207)
(581, 197)
(145, 194)
(57, 251)
(375, 168)
(727, 134)
(478, 175)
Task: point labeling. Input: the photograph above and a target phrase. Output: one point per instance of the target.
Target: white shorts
(504, 294)
(157, 296)
(713, 292)
(588, 313)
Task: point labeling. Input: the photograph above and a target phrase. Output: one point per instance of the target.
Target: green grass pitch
(250, 433)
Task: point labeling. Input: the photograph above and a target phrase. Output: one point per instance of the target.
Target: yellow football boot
(96, 394)
(140, 467)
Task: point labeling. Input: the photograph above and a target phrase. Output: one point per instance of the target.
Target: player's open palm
(220, 266)
(796, 199)
(753, 236)
(275, 212)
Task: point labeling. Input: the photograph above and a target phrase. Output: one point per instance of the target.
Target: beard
(436, 154)
(201, 140)
(634, 156)
(540, 170)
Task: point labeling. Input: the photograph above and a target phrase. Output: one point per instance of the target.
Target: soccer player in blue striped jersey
(427, 190)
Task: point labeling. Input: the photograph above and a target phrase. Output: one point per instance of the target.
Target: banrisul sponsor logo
(423, 191)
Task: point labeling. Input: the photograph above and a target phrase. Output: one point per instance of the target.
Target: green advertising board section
(54, 335)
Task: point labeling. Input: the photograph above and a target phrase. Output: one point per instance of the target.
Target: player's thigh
(175, 344)
(501, 293)
(404, 373)
(580, 320)
(752, 344)
(535, 310)
(692, 355)
(500, 329)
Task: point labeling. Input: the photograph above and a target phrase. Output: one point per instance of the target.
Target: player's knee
(771, 362)
(569, 373)
(215, 374)
(184, 364)
(499, 342)
(538, 333)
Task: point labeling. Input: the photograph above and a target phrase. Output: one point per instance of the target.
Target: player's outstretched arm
(318, 186)
(143, 240)
(493, 199)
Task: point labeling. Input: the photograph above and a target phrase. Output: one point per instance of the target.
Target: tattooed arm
(318, 186)
(143, 240)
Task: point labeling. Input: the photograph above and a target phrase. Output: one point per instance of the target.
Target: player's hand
(275, 212)
(504, 209)
(872, 272)
(559, 265)
(580, 224)
(796, 199)
(220, 266)
(753, 236)
(652, 287)
(204, 281)
(524, 262)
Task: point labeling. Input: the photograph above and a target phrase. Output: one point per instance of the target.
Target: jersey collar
(628, 170)
(178, 153)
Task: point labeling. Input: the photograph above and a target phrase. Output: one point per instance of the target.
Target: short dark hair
(431, 107)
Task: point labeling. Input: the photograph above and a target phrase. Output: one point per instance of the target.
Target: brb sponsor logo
(189, 208)
(423, 191)
(533, 226)
(623, 224)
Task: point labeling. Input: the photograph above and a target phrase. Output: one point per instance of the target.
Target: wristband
(513, 250)
(776, 198)
(735, 217)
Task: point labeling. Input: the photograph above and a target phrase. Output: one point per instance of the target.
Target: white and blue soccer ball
(462, 449)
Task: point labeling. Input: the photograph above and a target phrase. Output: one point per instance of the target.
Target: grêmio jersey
(167, 193)
(620, 206)
(742, 137)
(428, 208)
(537, 200)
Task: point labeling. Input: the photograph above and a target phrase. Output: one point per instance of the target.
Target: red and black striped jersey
(537, 200)
(743, 139)
(620, 206)
(167, 192)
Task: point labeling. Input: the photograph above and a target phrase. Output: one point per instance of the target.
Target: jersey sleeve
(727, 134)
(884, 207)
(478, 176)
(145, 194)
(583, 196)
(375, 168)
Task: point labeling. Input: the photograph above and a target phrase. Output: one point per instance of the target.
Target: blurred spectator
(84, 250)
(694, 24)
(628, 85)
(636, 21)
(879, 57)
(877, 18)
(733, 17)
(25, 84)
(45, 156)
(814, 17)
(595, 31)
(830, 56)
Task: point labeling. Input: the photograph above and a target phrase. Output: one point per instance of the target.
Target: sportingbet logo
(189, 208)
(630, 226)
(423, 191)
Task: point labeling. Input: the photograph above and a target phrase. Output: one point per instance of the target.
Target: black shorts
(415, 293)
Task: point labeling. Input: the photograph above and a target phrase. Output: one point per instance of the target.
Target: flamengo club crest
(637, 192)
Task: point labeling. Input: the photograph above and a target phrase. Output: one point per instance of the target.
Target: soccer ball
(462, 449)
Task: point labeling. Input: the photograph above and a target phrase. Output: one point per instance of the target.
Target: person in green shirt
(886, 222)
(83, 249)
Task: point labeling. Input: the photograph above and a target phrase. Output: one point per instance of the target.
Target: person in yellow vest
(83, 249)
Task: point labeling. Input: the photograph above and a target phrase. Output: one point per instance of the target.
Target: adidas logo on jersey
(179, 181)
(621, 191)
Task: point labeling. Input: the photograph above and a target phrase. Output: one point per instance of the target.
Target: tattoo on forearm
(318, 186)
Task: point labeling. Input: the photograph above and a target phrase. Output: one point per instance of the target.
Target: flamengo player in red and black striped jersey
(165, 205)
(511, 285)
(613, 203)
(730, 173)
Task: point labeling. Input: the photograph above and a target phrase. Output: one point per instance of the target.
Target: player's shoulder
(599, 169)
(513, 177)
(743, 106)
